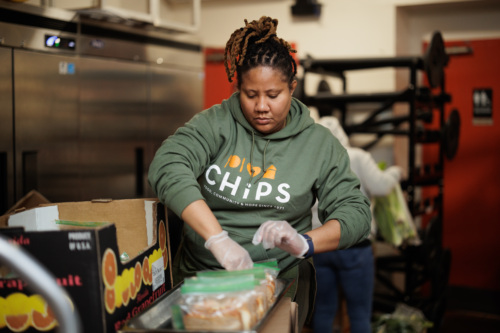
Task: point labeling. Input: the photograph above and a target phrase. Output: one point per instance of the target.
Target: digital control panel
(58, 42)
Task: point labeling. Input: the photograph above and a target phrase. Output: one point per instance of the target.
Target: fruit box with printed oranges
(111, 256)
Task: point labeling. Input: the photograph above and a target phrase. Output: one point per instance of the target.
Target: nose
(262, 105)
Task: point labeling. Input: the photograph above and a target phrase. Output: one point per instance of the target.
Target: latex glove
(282, 235)
(231, 255)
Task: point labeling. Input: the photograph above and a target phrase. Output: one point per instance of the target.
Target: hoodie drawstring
(263, 159)
(251, 153)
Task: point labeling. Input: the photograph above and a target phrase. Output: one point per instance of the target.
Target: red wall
(217, 86)
(471, 199)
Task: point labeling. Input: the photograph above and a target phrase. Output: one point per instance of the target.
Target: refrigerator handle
(30, 171)
(4, 190)
(139, 171)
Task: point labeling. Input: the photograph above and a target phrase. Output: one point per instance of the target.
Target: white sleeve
(374, 182)
(315, 219)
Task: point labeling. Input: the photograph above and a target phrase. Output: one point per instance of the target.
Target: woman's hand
(282, 235)
(228, 253)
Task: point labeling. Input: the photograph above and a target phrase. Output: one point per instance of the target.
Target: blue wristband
(310, 252)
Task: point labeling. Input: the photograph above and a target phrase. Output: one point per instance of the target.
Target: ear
(293, 86)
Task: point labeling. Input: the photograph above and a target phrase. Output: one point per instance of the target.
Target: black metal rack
(425, 266)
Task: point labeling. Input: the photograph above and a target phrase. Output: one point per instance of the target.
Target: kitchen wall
(343, 30)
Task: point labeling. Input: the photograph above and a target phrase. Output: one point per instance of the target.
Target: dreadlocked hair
(257, 45)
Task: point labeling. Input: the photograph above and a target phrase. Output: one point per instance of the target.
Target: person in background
(244, 174)
(351, 269)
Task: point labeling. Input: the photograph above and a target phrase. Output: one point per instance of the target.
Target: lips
(262, 121)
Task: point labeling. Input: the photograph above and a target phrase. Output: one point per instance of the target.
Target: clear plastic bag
(225, 304)
(258, 277)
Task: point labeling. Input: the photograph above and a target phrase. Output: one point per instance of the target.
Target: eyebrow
(266, 91)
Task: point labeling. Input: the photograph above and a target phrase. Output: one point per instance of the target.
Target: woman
(244, 174)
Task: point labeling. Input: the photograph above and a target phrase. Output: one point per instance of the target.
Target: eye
(272, 94)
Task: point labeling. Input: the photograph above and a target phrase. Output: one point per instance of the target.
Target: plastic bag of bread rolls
(225, 304)
(264, 286)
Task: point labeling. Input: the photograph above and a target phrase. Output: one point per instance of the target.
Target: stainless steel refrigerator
(82, 119)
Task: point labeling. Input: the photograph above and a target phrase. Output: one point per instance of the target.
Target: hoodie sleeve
(340, 198)
(181, 159)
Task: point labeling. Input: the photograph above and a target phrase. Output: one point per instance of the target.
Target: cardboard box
(83, 254)
(284, 319)
(30, 200)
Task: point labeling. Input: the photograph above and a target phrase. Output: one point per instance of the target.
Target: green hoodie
(210, 158)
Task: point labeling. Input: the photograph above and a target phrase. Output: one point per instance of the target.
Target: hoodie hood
(299, 118)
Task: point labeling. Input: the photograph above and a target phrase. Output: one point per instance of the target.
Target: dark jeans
(353, 271)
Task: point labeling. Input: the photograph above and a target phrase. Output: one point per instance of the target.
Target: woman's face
(265, 99)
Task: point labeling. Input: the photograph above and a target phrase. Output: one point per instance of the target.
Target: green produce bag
(394, 221)
(404, 319)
